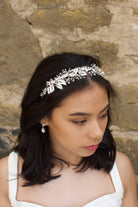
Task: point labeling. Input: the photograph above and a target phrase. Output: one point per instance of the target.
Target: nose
(95, 131)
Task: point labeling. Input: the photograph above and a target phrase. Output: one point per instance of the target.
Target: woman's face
(77, 126)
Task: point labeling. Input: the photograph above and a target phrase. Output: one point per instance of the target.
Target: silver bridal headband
(67, 76)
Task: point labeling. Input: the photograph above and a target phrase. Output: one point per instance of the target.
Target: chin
(88, 154)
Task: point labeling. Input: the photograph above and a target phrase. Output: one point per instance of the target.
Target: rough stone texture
(57, 20)
(69, 4)
(7, 140)
(23, 8)
(135, 11)
(19, 49)
(5, 144)
(137, 183)
(11, 96)
(125, 107)
(9, 115)
(104, 28)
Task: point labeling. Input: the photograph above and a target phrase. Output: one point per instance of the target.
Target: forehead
(93, 96)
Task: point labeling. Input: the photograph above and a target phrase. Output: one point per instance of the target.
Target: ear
(44, 120)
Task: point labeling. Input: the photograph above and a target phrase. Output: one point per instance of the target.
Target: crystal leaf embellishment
(59, 84)
(70, 75)
(82, 73)
(50, 89)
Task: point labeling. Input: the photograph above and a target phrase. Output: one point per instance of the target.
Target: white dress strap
(117, 180)
(13, 171)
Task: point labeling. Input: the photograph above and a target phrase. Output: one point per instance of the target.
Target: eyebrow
(87, 114)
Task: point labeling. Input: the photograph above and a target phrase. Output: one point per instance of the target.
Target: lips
(92, 147)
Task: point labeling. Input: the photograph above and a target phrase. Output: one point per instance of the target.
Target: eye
(80, 122)
(104, 116)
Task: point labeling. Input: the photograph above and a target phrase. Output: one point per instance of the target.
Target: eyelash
(81, 122)
(104, 116)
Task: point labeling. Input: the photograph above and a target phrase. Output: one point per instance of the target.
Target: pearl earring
(43, 128)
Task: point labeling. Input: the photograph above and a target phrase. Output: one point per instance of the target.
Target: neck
(71, 162)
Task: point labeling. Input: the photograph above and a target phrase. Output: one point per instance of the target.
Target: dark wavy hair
(35, 147)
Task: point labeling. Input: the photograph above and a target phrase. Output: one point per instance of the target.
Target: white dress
(108, 200)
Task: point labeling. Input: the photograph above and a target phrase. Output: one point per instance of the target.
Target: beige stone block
(96, 3)
(23, 8)
(135, 10)
(19, 49)
(125, 107)
(127, 93)
(48, 2)
(11, 95)
(9, 116)
(70, 4)
(87, 18)
(127, 117)
(5, 146)
(45, 4)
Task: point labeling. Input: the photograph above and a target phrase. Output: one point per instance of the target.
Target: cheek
(61, 130)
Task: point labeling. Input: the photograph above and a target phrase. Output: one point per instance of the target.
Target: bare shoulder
(4, 168)
(123, 161)
(124, 164)
(128, 179)
(4, 198)
(124, 167)
(4, 174)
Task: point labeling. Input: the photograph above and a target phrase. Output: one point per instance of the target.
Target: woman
(65, 155)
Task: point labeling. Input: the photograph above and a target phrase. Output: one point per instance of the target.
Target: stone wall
(32, 29)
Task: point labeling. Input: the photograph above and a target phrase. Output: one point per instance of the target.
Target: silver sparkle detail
(70, 75)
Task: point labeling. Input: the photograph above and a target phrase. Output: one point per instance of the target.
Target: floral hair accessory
(67, 76)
